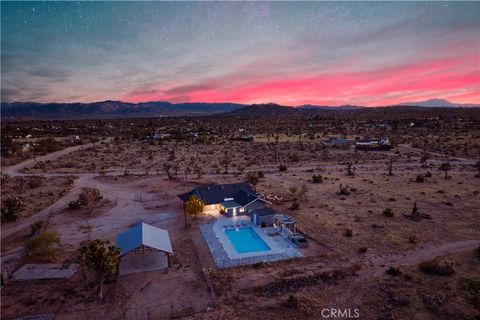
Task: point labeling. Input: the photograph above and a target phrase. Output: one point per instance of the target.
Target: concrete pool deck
(225, 255)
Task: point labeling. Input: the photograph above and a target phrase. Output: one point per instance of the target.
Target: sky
(290, 53)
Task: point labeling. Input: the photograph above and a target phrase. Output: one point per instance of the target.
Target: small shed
(263, 217)
(144, 248)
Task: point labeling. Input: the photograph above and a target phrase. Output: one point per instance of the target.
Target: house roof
(264, 212)
(241, 193)
(144, 234)
(230, 204)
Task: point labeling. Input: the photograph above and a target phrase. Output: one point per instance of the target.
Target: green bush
(43, 247)
(348, 233)
(317, 178)
(282, 168)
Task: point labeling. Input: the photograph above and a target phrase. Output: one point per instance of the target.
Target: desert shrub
(259, 265)
(348, 233)
(473, 288)
(393, 271)
(317, 178)
(478, 252)
(11, 208)
(428, 174)
(35, 183)
(435, 268)
(74, 204)
(43, 247)
(388, 213)
(412, 239)
(47, 145)
(37, 226)
(292, 302)
(363, 249)
(420, 178)
(261, 174)
(282, 168)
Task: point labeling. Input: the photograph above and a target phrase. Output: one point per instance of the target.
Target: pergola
(143, 238)
(285, 224)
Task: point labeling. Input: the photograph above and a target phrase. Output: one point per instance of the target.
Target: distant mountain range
(439, 103)
(119, 109)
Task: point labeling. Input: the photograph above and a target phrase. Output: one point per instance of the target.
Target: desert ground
(359, 257)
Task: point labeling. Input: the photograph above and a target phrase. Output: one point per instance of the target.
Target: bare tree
(350, 171)
(389, 164)
(89, 197)
(225, 162)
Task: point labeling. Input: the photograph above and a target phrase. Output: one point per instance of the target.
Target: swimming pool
(246, 240)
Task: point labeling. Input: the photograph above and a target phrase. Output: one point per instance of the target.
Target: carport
(144, 248)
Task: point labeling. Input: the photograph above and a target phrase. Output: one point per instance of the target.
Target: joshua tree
(389, 164)
(225, 162)
(424, 159)
(253, 179)
(344, 190)
(101, 257)
(477, 166)
(350, 171)
(277, 137)
(187, 171)
(296, 194)
(445, 167)
(198, 170)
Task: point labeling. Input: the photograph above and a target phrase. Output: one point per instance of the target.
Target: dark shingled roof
(265, 212)
(242, 193)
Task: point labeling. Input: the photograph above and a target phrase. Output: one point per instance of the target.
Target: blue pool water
(246, 240)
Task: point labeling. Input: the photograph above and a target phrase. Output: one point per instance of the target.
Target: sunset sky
(292, 53)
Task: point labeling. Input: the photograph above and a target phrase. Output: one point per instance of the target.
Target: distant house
(233, 199)
(144, 247)
(73, 137)
(263, 217)
(373, 145)
(242, 138)
(26, 147)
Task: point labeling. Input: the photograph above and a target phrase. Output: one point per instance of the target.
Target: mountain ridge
(120, 109)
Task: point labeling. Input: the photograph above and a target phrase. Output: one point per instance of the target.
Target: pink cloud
(457, 78)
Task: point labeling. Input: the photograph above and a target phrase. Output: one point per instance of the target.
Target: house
(232, 199)
(263, 217)
(373, 145)
(73, 137)
(144, 247)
